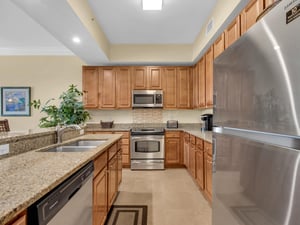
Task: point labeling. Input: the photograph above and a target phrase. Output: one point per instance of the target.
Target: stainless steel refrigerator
(256, 172)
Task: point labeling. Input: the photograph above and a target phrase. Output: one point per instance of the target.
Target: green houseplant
(69, 111)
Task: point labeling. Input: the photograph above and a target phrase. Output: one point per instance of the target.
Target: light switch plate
(4, 149)
(81, 132)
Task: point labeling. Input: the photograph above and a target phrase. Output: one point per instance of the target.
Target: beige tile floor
(171, 195)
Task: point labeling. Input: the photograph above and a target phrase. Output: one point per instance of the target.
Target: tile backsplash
(147, 116)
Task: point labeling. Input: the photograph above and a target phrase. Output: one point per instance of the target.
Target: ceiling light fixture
(76, 40)
(152, 4)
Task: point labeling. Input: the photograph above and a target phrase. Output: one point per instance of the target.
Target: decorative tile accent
(149, 116)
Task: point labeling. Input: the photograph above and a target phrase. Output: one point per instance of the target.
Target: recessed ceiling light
(76, 40)
(152, 4)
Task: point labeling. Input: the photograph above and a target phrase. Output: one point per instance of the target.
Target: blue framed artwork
(15, 101)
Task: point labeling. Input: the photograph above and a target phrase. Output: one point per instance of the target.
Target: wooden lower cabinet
(173, 148)
(208, 170)
(186, 146)
(192, 160)
(125, 143)
(119, 156)
(200, 168)
(100, 197)
(21, 219)
(112, 180)
(107, 177)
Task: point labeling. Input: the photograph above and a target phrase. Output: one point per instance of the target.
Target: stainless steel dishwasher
(70, 203)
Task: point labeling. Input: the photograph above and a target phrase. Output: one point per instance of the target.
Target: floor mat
(127, 215)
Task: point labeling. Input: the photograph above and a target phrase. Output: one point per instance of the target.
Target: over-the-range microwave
(147, 98)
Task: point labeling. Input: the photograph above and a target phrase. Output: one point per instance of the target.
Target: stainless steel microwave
(147, 98)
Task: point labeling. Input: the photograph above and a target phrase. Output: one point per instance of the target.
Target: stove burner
(147, 131)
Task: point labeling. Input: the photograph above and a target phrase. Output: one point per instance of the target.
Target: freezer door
(256, 80)
(255, 183)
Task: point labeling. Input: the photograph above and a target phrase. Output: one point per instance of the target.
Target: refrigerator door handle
(214, 152)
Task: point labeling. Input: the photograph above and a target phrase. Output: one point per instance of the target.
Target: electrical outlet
(81, 132)
(4, 149)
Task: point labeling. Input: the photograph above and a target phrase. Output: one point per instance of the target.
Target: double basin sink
(77, 146)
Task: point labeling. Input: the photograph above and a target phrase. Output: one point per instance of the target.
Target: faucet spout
(60, 131)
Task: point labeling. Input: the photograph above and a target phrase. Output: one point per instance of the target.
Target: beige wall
(47, 76)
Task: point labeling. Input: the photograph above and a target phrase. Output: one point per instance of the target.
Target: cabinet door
(233, 32)
(208, 176)
(123, 87)
(195, 72)
(172, 151)
(169, 87)
(186, 147)
(192, 161)
(119, 155)
(139, 79)
(90, 87)
(268, 3)
(202, 89)
(100, 198)
(154, 78)
(250, 13)
(209, 58)
(107, 83)
(112, 180)
(219, 46)
(183, 87)
(200, 168)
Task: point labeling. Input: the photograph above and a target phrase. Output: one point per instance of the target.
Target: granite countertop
(27, 177)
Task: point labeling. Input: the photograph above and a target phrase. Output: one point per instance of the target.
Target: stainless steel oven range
(147, 148)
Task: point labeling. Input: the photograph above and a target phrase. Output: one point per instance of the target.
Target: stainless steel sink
(77, 146)
(86, 143)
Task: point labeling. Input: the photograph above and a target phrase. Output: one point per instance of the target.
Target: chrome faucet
(60, 131)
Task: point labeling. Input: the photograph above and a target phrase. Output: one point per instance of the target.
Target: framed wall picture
(15, 101)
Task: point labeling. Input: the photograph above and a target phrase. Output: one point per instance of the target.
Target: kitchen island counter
(27, 177)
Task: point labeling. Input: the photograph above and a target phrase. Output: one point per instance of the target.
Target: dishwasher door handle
(74, 192)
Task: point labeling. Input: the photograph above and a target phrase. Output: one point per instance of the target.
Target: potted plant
(69, 111)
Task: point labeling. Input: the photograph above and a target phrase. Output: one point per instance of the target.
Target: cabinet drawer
(199, 144)
(193, 139)
(112, 151)
(172, 134)
(99, 163)
(208, 147)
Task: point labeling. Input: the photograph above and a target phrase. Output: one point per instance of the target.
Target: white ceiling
(45, 27)
(124, 21)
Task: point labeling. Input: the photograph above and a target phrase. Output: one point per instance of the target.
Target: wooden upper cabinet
(209, 58)
(195, 73)
(123, 87)
(147, 78)
(202, 88)
(219, 46)
(139, 79)
(107, 84)
(154, 78)
(90, 87)
(169, 87)
(183, 87)
(268, 3)
(233, 32)
(250, 13)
